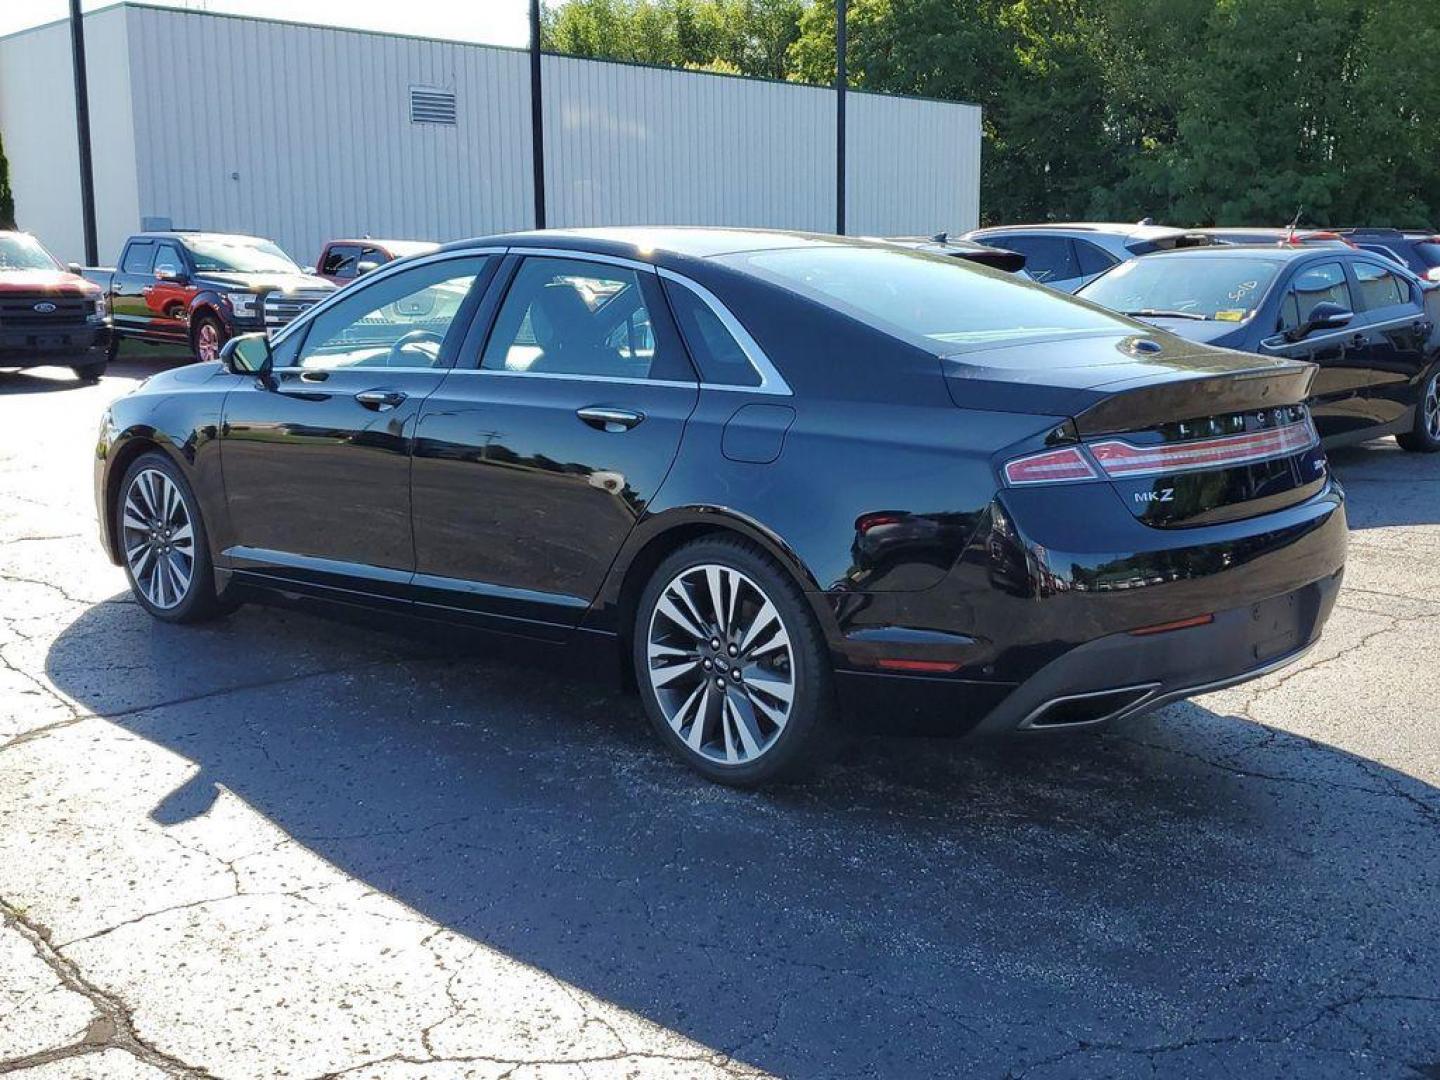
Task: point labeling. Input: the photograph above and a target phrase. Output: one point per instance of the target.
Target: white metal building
(303, 133)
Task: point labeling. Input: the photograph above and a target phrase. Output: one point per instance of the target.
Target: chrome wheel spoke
(664, 676)
(668, 608)
(747, 726)
(762, 622)
(768, 684)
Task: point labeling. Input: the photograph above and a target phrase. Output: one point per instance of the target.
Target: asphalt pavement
(284, 846)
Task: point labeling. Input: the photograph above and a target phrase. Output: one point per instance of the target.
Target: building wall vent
(429, 106)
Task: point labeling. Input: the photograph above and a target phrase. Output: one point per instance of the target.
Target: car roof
(1272, 252)
(1115, 228)
(653, 243)
(389, 245)
(182, 235)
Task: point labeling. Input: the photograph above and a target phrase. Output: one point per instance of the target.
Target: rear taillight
(1050, 467)
(1122, 460)
(1433, 274)
(1119, 459)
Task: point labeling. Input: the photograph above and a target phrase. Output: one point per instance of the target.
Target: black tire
(200, 326)
(199, 601)
(1424, 437)
(89, 372)
(794, 745)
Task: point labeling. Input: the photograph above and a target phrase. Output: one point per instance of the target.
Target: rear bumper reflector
(919, 667)
(1178, 624)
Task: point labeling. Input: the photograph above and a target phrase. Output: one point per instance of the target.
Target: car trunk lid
(1184, 434)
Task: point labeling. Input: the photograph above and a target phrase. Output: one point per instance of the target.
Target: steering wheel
(414, 337)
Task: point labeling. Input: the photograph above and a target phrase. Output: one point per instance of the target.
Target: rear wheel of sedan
(731, 665)
(163, 543)
(1424, 437)
(89, 372)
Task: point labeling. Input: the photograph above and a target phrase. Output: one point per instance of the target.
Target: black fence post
(537, 116)
(840, 79)
(82, 131)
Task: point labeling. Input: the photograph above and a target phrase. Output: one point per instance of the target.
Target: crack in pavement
(113, 1027)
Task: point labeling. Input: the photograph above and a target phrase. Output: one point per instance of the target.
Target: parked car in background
(943, 244)
(1416, 249)
(1359, 316)
(201, 289)
(1311, 237)
(1066, 256)
(768, 473)
(49, 315)
(342, 261)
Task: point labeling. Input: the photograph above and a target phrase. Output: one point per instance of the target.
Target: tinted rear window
(940, 303)
(1429, 253)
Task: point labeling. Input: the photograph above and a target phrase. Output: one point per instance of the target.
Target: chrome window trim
(397, 266)
(771, 381)
(585, 256)
(1348, 331)
(624, 380)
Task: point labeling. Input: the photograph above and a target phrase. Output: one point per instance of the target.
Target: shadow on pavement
(1398, 488)
(1192, 885)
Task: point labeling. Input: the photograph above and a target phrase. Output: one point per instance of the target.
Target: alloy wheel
(1431, 406)
(720, 664)
(207, 342)
(159, 538)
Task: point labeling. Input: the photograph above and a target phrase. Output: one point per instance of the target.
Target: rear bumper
(1038, 621)
(1124, 675)
(32, 346)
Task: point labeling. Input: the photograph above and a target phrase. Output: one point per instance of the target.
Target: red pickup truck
(48, 315)
(342, 261)
(201, 289)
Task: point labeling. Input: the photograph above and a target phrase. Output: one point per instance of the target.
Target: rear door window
(139, 258)
(581, 318)
(721, 359)
(1379, 287)
(1047, 258)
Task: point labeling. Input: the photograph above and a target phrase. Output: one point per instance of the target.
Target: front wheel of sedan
(731, 665)
(163, 543)
(1424, 437)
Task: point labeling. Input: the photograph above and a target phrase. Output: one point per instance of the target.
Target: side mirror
(74, 268)
(169, 273)
(248, 354)
(1323, 316)
(308, 270)
(365, 267)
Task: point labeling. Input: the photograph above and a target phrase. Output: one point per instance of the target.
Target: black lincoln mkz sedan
(768, 474)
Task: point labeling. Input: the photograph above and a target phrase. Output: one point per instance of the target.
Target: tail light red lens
(1050, 467)
(1120, 459)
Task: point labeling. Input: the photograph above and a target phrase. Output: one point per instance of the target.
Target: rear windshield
(239, 255)
(937, 301)
(1429, 252)
(1195, 286)
(25, 253)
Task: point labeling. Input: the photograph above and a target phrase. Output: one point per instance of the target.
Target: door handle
(380, 400)
(606, 419)
(1357, 341)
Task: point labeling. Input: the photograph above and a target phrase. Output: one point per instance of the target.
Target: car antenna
(1294, 222)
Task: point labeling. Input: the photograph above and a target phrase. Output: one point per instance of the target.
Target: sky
(497, 22)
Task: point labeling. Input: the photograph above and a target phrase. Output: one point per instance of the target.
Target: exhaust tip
(1081, 710)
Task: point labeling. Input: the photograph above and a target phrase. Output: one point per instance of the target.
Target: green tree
(7, 197)
(746, 37)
